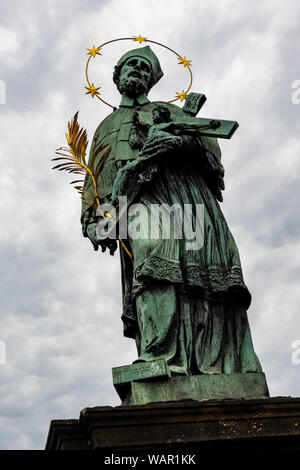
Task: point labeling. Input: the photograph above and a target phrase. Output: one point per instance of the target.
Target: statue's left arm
(203, 152)
(211, 166)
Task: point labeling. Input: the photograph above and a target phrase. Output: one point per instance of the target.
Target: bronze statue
(186, 306)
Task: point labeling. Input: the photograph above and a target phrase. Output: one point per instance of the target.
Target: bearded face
(135, 77)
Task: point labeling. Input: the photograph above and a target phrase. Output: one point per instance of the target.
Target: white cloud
(8, 41)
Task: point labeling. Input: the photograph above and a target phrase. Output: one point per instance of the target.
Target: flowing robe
(188, 306)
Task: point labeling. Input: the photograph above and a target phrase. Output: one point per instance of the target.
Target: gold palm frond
(73, 160)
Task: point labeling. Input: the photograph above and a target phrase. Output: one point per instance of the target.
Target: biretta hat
(146, 53)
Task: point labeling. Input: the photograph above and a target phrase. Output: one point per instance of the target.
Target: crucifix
(222, 129)
(131, 178)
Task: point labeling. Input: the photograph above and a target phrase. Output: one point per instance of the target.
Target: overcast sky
(61, 301)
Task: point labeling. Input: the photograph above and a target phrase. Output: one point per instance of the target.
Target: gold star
(94, 51)
(92, 90)
(182, 96)
(139, 39)
(184, 61)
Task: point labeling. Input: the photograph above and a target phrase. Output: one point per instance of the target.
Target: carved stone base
(266, 424)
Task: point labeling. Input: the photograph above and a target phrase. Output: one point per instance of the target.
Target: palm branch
(73, 160)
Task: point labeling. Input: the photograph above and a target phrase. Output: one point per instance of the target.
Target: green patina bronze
(195, 387)
(185, 306)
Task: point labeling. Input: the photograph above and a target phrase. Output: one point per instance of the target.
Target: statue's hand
(160, 144)
(108, 243)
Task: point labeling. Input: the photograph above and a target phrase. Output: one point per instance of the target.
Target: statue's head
(137, 71)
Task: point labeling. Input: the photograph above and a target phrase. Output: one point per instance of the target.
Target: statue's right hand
(92, 233)
(110, 244)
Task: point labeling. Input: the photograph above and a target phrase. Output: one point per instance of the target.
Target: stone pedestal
(66, 434)
(188, 426)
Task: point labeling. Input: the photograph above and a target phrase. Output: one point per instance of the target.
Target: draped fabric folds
(186, 305)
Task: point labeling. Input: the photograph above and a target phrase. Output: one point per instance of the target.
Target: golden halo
(94, 51)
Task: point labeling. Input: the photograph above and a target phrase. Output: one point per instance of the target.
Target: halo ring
(93, 91)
